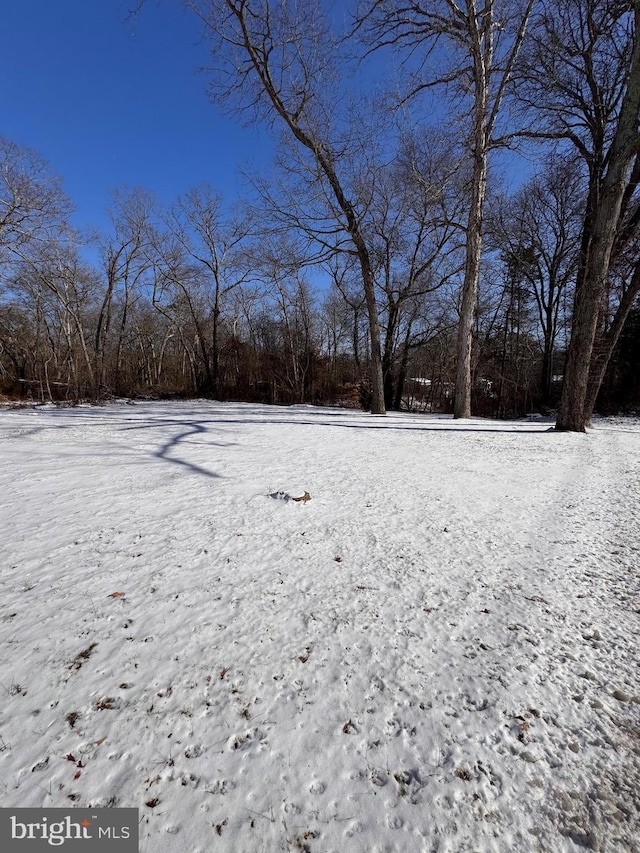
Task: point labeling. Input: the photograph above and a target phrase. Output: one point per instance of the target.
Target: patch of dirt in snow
(436, 653)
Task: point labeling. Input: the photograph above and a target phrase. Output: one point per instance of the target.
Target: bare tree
(278, 60)
(180, 295)
(62, 291)
(215, 245)
(344, 281)
(416, 244)
(581, 76)
(538, 233)
(43, 285)
(125, 263)
(33, 206)
(482, 41)
(290, 295)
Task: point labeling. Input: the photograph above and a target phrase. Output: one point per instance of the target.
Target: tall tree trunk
(215, 348)
(575, 405)
(574, 413)
(387, 355)
(462, 403)
(402, 371)
(481, 37)
(377, 382)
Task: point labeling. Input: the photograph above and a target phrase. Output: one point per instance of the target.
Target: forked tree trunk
(586, 311)
(576, 402)
(571, 414)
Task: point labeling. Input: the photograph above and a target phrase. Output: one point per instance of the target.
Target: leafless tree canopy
(383, 262)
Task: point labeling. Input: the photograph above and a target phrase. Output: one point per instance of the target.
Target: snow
(436, 651)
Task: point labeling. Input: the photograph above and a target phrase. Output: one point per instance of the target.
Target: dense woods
(452, 224)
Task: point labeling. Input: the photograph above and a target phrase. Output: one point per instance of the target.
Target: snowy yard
(437, 652)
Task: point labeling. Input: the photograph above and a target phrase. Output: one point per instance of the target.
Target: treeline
(188, 301)
(383, 264)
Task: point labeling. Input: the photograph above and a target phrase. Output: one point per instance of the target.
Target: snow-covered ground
(436, 652)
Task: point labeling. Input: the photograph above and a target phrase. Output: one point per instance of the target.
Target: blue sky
(114, 102)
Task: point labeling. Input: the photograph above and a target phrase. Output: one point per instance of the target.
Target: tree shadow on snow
(194, 428)
(386, 425)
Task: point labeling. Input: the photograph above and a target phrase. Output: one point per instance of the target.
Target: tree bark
(574, 413)
(462, 403)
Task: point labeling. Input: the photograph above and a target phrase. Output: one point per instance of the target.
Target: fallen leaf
(116, 595)
(101, 740)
